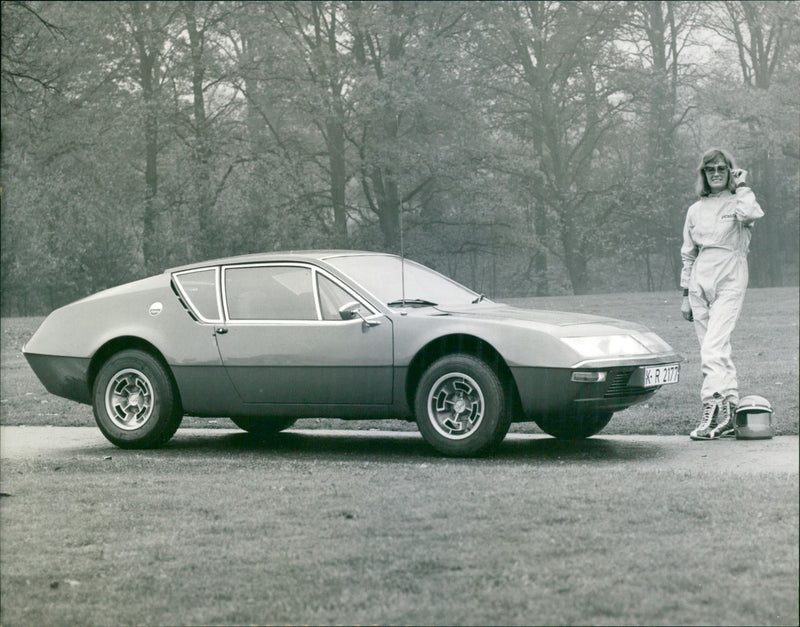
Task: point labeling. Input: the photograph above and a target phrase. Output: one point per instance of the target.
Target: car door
(283, 340)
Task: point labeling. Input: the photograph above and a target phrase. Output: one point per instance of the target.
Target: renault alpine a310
(267, 339)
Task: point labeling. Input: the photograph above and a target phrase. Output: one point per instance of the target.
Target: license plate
(650, 376)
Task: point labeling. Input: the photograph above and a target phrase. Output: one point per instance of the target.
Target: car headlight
(606, 346)
(655, 343)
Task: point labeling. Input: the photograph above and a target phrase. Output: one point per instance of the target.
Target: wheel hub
(129, 399)
(456, 406)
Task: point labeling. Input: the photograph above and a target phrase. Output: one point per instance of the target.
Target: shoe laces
(725, 412)
(709, 409)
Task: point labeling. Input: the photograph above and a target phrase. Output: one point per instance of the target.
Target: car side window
(199, 287)
(331, 298)
(270, 293)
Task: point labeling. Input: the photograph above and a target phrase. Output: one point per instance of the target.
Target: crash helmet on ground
(753, 418)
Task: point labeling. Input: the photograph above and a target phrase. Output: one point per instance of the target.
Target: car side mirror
(352, 310)
(349, 311)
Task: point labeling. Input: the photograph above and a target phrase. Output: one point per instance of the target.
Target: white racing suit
(716, 237)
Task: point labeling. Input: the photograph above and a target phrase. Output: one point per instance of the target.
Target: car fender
(151, 312)
(517, 343)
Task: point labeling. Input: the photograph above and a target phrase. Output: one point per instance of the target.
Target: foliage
(522, 147)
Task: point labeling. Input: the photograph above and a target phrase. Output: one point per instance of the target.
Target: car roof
(289, 255)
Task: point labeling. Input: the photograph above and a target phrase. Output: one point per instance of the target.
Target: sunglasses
(720, 169)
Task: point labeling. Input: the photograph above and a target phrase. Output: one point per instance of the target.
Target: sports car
(267, 339)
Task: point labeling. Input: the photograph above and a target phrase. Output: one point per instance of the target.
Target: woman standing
(716, 237)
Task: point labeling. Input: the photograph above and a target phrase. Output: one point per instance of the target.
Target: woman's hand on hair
(739, 177)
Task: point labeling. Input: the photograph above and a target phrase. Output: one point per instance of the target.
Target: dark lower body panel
(208, 391)
(551, 392)
(63, 376)
(204, 391)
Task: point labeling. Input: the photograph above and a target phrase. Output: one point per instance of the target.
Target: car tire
(576, 427)
(461, 407)
(135, 400)
(262, 427)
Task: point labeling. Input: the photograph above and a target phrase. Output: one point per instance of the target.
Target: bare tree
(764, 35)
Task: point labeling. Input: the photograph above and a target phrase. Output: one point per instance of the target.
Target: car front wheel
(135, 402)
(262, 427)
(461, 407)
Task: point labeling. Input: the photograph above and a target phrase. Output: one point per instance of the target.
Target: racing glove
(686, 309)
(739, 177)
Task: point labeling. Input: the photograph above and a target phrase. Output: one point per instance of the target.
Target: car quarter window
(332, 297)
(200, 289)
(270, 293)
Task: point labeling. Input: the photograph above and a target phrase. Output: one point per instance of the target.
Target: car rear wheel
(461, 407)
(262, 427)
(135, 401)
(576, 427)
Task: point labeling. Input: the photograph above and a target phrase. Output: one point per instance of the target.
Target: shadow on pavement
(401, 446)
(591, 449)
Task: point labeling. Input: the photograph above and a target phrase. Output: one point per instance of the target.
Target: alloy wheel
(129, 399)
(456, 405)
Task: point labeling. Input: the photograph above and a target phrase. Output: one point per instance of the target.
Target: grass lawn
(238, 533)
(765, 351)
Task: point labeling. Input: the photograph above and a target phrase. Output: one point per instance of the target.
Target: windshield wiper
(411, 302)
(479, 299)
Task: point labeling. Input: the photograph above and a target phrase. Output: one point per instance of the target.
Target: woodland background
(524, 148)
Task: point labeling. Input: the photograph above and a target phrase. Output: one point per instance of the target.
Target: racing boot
(707, 422)
(725, 420)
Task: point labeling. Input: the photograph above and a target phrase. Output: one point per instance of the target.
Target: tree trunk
(388, 205)
(541, 282)
(202, 152)
(663, 105)
(759, 57)
(148, 79)
(575, 258)
(338, 174)
(765, 262)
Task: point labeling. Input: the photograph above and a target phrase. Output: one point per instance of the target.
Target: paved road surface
(776, 455)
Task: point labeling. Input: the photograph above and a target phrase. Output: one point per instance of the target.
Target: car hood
(499, 311)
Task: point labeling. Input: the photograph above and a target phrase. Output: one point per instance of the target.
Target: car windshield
(381, 275)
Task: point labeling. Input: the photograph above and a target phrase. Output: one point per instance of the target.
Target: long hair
(713, 154)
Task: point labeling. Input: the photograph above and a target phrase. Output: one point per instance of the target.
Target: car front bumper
(552, 392)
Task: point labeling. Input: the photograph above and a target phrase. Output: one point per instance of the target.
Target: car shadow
(401, 446)
(595, 449)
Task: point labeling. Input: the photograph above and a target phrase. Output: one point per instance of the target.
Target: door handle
(221, 330)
